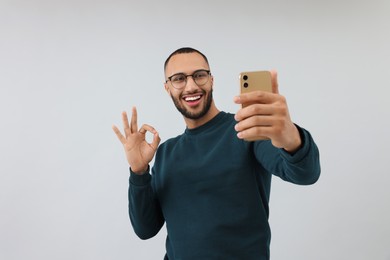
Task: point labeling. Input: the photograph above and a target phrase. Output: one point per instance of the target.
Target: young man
(209, 185)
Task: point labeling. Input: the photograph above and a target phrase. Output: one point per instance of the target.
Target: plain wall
(69, 68)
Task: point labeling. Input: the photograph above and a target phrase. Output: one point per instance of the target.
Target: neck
(194, 123)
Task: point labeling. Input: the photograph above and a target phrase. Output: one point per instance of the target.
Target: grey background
(68, 69)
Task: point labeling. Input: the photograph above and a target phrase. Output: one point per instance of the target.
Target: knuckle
(282, 98)
(254, 109)
(255, 120)
(257, 131)
(258, 94)
(144, 127)
(283, 110)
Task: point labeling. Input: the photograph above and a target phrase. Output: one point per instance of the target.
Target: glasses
(179, 80)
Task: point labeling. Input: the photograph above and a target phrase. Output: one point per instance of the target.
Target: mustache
(203, 92)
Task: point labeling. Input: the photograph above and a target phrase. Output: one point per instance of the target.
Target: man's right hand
(138, 151)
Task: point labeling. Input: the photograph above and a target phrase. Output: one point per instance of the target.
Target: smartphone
(252, 81)
(255, 80)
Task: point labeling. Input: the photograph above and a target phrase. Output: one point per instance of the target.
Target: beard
(191, 115)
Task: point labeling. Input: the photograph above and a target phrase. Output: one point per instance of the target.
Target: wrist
(140, 170)
(293, 148)
(296, 142)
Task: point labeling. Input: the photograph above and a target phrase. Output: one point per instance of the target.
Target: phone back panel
(252, 81)
(255, 80)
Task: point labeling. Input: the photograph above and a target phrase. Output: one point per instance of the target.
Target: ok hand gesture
(138, 151)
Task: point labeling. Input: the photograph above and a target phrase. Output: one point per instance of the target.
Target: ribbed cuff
(303, 149)
(140, 179)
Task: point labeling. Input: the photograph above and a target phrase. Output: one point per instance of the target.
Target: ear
(167, 88)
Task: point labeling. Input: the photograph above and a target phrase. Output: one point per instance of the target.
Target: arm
(292, 153)
(302, 167)
(144, 210)
(145, 214)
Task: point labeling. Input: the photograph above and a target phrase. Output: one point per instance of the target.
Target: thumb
(156, 141)
(274, 79)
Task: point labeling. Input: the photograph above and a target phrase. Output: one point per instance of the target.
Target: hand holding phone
(269, 118)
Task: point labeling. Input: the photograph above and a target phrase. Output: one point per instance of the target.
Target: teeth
(192, 98)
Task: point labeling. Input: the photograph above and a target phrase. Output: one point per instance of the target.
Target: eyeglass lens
(200, 78)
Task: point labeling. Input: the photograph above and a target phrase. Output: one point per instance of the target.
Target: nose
(190, 84)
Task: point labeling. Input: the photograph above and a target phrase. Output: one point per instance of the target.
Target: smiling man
(209, 185)
(194, 97)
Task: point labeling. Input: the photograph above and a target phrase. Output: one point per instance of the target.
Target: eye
(200, 74)
(178, 78)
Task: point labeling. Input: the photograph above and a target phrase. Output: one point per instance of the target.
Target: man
(209, 185)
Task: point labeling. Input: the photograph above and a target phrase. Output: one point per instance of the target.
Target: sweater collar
(210, 124)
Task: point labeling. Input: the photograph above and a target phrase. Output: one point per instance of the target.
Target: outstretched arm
(268, 116)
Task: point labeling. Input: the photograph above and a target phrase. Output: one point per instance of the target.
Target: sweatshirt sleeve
(302, 167)
(144, 210)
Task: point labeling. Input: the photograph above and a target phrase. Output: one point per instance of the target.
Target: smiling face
(194, 102)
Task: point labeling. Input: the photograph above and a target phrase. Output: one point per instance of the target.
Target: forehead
(186, 63)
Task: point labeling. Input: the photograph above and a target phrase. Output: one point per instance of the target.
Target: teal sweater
(212, 191)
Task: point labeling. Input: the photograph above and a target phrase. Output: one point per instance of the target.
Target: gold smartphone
(252, 81)
(255, 80)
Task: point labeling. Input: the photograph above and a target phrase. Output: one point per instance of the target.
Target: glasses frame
(189, 75)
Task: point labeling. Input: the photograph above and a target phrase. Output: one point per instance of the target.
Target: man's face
(192, 101)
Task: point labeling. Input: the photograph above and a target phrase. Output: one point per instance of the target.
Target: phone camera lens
(246, 85)
(245, 77)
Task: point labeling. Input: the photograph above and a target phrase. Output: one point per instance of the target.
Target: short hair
(184, 50)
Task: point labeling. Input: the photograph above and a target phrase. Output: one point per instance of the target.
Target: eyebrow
(178, 73)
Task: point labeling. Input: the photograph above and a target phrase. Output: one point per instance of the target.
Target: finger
(156, 141)
(253, 110)
(144, 128)
(125, 122)
(118, 133)
(156, 138)
(259, 97)
(254, 121)
(134, 125)
(255, 133)
(258, 109)
(274, 78)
